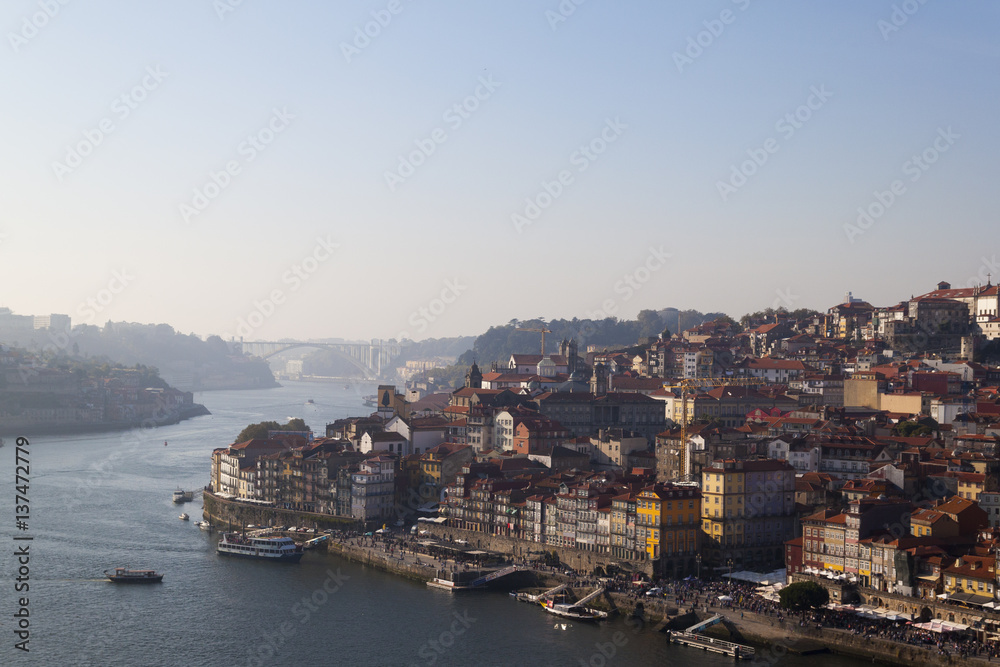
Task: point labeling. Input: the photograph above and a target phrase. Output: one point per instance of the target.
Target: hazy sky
(464, 163)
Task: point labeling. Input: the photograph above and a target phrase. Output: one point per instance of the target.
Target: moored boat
(184, 516)
(282, 549)
(573, 611)
(122, 575)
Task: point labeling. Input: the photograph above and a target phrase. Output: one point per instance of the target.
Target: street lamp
(730, 563)
(697, 559)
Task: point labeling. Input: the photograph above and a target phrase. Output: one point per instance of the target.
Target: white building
(373, 489)
(804, 458)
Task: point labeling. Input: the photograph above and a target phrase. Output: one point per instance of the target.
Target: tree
(259, 430)
(909, 429)
(650, 323)
(803, 595)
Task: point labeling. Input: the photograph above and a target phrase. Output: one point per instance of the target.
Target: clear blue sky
(436, 252)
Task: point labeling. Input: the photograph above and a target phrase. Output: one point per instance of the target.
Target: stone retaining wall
(235, 515)
(579, 560)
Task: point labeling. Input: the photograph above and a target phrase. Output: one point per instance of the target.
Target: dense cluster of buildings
(35, 396)
(857, 446)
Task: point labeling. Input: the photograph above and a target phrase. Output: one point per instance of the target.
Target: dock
(464, 581)
(691, 637)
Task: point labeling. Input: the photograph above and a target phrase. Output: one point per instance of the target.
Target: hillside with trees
(499, 342)
(185, 361)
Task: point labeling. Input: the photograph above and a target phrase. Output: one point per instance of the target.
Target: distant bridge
(370, 358)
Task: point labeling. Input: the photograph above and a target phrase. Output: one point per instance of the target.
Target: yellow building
(667, 526)
(748, 511)
(971, 574)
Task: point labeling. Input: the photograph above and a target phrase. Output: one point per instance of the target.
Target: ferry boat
(181, 496)
(124, 576)
(371, 401)
(281, 549)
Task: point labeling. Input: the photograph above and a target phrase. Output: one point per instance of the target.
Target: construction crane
(542, 331)
(685, 385)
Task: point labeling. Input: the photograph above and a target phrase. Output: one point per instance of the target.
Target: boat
(371, 401)
(315, 542)
(282, 549)
(184, 516)
(122, 575)
(204, 525)
(574, 611)
(310, 402)
(181, 496)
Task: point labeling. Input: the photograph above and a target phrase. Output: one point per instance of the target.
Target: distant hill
(185, 361)
(499, 342)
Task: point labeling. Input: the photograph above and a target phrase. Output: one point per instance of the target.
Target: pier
(690, 637)
(738, 651)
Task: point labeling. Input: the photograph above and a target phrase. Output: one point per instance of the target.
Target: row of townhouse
(638, 521)
(887, 545)
(324, 477)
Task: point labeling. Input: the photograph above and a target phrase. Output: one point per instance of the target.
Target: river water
(99, 501)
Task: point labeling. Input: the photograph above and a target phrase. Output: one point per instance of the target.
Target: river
(99, 501)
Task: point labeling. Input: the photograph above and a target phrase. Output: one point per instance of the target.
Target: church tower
(474, 378)
(599, 380)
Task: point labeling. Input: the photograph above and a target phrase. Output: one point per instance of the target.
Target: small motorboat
(122, 575)
(184, 516)
(204, 525)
